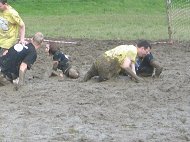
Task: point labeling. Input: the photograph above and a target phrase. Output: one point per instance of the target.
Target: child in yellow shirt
(11, 26)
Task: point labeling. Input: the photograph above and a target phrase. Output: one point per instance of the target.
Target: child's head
(51, 48)
(38, 38)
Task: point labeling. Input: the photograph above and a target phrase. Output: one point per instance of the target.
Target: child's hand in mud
(54, 73)
(61, 75)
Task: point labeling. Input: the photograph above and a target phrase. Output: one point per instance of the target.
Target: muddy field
(66, 110)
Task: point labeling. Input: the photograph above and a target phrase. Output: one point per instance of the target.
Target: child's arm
(128, 66)
(133, 67)
(54, 70)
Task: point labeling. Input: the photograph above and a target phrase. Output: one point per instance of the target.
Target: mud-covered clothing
(105, 67)
(109, 64)
(63, 62)
(10, 22)
(10, 63)
(121, 52)
(143, 65)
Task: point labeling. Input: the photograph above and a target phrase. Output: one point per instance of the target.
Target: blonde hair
(38, 38)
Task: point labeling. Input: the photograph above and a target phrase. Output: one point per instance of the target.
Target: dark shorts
(64, 66)
(66, 72)
(4, 80)
(6, 70)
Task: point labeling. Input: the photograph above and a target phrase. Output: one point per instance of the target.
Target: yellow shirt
(121, 52)
(10, 23)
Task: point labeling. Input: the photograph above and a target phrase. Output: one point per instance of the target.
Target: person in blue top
(145, 66)
(61, 62)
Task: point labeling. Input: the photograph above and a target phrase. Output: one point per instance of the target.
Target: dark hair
(3, 1)
(53, 49)
(143, 43)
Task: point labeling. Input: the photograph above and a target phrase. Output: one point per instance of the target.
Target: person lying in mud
(110, 64)
(61, 61)
(145, 66)
(19, 58)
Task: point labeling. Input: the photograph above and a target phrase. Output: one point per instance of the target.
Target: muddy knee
(73, 73)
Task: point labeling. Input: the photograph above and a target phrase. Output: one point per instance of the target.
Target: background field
(95, 19)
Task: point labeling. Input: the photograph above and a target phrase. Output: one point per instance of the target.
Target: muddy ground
(66, 110)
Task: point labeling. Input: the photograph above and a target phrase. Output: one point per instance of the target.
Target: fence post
(169, 21)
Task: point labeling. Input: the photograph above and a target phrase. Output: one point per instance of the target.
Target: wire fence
(178, 12)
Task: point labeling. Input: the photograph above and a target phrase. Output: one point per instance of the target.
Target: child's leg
(91, 73)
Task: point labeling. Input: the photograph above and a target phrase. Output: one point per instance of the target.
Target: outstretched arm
(54, 70)
(133, 67)
(22, 34)
(130, 68)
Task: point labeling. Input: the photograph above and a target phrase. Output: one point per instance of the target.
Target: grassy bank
(97, 19)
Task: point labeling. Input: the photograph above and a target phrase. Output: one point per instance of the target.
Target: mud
(120, 110)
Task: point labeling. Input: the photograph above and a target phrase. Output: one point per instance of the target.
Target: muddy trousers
(104, 67)
(4, 80)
